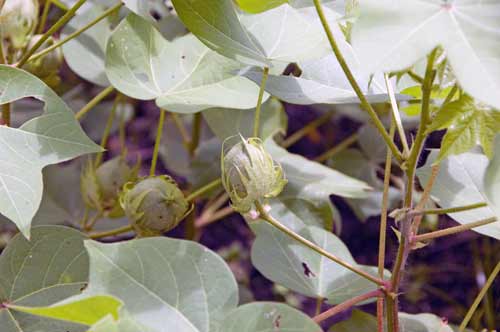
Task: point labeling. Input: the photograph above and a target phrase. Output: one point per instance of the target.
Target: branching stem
(156, 151)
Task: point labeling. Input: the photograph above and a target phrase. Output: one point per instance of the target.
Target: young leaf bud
(154, 205)
(101, 187)
(18, 20)
(46, 67)
(249, 174)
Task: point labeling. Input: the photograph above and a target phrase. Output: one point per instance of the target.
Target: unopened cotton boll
(101, 186)
(18, 20)
(250, 174)
(154, 205)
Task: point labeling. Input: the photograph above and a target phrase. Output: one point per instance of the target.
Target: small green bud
(18, 20)
(47, 66)
(154, 205)
(249, 174)
(101, 187)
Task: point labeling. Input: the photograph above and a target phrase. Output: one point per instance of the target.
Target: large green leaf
(273, 121)
(216, 24)
(391, 36)
(183, 76)
(322, 81)
(47, 270)
(467, 124)
(85, 54)
(51, 138)
(293, 265)
(268, 317)
(280, 35)
(460, 182)
(363, 322)
(164, 283)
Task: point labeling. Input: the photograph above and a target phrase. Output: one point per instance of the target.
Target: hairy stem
(346, 305)
(6, 114)
(76, 33)
(479, 297)
(182, 129)
(338, 148)
(267, 217)
(350, 77)
(206, 188)
(156, 151)
(410, 169)
(113, 232)
(296, 136)
(59, 24)
(94, 101)
(453, 209)
(45, 13)
(107, 131)
(256, 124)
(453, 230)
(195, 134)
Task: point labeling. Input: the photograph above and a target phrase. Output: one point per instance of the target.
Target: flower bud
(154, 205)
(18, 20)
(101, 187)
(249, 174)
(47, 66)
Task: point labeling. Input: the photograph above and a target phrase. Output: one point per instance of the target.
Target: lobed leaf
(51, 138)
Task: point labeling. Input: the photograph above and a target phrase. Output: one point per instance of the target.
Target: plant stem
(346, 305)
(6, 114)
(350, 77)
(256, 124)
(396, 116)
(319, 303)
(267, 217)
(45, 13)
(416, 149)
(204, 189)
(76, 33)
(479, 297)
(59, 24)
(213, 217)
(380, 314)
(453, 209)
(195, 134)
(182, 129)
(417, 78)
(453, 230)
(107, 130)
(2, 52)
(296, 136)
(93, 102)
(385, 207)
(113, 232)
(159, 132)
(410, 168)
(338, 148)
(425, 197)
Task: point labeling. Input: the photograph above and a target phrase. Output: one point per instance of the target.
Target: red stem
(346, 305)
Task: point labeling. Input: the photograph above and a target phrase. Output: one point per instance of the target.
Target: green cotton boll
(46, 67)
(101, 187)
(249, 174)
(154, 205)
(18, 20)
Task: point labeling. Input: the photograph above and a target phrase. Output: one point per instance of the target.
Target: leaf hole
(307, 271)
